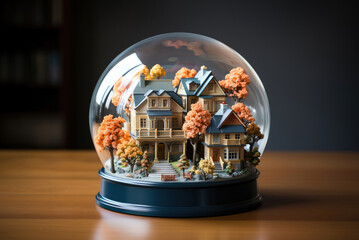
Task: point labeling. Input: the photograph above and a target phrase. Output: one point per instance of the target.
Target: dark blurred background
(52, 53)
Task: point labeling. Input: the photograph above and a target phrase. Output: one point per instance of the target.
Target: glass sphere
(172, 52)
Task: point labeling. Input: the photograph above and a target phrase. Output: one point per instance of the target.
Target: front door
(215, 155)
(161, 151)
(160, 124)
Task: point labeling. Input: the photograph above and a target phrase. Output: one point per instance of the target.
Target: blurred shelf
(29, 98)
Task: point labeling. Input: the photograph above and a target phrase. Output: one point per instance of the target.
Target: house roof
(203, 78)
(217, 126)
(159, 113)
(155, 86)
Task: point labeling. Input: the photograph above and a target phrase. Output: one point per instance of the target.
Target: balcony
(144, 133)
(233, 141)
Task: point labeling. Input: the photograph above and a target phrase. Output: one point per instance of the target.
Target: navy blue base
(178, 199)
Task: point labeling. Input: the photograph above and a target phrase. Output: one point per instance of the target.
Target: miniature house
(157, 119)
(224, 138)
(203, 88)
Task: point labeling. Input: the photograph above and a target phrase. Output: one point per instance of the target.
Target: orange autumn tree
(129, 152)
(243, 113)
(146, 71)
(183, 73)
(157, 71)
(235, 84)
(197, 121)
(109, 135)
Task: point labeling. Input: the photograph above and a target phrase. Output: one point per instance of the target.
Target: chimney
(224, 107)
(142, 80)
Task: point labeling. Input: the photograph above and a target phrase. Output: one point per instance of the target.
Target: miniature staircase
(218, 168)
(162, 168)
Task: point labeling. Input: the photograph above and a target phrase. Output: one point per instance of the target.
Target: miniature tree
(206, 168)
(235, 84)
(146, 71)
(255, 156)
(197, 121)
(183, 163)
(183, 73)
(243, 113)
(229, 169)
(146, 163)
(109, 135)
(157, 71)
(253, 135)
(128, 152)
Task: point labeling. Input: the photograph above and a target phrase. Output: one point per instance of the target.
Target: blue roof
(138, 99)
(224, 116)
(175, 97)
(203, 78)
(159, 112)
(203, 86)
(218, 119)
(186, 81)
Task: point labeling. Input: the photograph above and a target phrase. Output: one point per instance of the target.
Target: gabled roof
(203, 78)
(217, 121)
(159, 87)
(185, 82)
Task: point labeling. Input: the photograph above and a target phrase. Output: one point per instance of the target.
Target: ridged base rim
(156, 211)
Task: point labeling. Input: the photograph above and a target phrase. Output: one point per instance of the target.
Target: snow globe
(179, 122)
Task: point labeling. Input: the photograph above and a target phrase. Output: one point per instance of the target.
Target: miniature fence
(160, 133)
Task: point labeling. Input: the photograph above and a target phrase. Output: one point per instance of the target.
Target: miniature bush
(229, 169)
(129, 152)
(205, 168)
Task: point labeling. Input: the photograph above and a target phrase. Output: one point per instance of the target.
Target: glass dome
(153, 85)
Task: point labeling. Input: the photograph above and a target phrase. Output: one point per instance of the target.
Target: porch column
(156, 158)
(184, 147)
(167, 153)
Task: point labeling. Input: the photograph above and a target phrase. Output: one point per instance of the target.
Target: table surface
(51, 195)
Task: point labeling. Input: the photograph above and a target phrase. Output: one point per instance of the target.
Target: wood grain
(51, 195)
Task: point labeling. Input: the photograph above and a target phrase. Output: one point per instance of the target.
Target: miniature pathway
(162, 168)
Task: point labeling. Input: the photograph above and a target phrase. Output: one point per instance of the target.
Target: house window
(164, 103)
(226, 136)
(153, 102)
(215, 138)
(238, 136)
(192, 86)
(174, 122)
(211, 87)
(232, 154)
(143, 122)
(184, 102)
(205, 105)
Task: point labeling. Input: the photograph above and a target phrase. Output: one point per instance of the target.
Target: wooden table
(51, 195)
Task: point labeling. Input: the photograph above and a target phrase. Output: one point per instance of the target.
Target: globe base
(178, 199)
